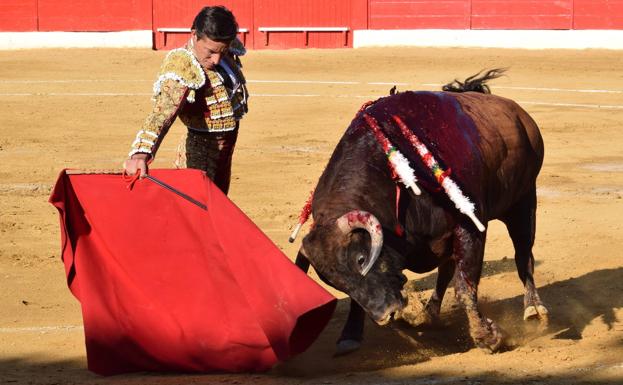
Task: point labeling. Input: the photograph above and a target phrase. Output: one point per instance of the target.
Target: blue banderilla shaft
(176, 191)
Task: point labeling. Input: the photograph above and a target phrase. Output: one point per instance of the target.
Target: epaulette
(182, 66)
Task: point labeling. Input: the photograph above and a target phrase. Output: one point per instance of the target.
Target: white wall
(126, 39)
(531, 39)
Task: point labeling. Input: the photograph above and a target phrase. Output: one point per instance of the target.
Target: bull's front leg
(352, 334)
(433, 306)
(302, 262)
(469, 254)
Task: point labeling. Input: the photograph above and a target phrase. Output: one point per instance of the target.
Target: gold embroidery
(181, 74)
(166, 105)
(181, 65)
(222, 109)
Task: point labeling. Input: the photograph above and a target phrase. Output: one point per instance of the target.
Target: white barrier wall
(531, 39)
(124, 39)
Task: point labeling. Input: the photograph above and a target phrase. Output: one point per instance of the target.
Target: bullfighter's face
(207, 51)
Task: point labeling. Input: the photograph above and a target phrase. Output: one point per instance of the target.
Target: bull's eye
(361, 259)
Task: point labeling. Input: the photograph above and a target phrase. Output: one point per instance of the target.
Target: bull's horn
(358, 219)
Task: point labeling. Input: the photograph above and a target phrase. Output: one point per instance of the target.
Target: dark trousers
(212, 152)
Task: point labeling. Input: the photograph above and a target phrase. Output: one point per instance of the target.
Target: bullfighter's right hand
(138, 162)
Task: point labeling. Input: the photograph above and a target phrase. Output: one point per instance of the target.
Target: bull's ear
(319, 244)
(308, 246)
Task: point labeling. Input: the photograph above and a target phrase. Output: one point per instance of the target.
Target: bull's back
(491, 145)
(510, 145)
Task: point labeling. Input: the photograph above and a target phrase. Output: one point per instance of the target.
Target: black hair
(216, 23)
(475, 83)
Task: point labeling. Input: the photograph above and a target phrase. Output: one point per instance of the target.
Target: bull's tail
(475, 83)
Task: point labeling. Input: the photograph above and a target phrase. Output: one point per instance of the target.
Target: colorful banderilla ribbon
(400, 167)
(462, 203)
(397, 162)
(303, 217)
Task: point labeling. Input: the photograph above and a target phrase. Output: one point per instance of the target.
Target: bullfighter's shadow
(572, 303)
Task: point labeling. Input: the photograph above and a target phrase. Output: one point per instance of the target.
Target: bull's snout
(385, 316)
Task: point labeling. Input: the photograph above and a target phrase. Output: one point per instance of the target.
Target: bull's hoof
(491, 339)
(538, 312)
(538, 316)
(427, 318)
(430, 316)
(347, 346)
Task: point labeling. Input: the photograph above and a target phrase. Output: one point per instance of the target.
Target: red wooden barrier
(296, 15)
(522, 14)
(447, 14)
(295, 24)
(18, 15)
(598, 14)
(359, 14)
(96, 15)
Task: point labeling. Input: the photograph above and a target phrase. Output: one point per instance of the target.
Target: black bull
(368, 227)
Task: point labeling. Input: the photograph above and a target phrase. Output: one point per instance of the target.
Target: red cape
(167, 286)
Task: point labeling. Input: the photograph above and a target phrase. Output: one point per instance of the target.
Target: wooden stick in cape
(462, 203)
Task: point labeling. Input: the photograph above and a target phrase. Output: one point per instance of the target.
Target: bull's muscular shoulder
(485, 108)
(501, 122)
(490, 110)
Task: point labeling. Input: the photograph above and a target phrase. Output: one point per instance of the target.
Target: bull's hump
(406, 100)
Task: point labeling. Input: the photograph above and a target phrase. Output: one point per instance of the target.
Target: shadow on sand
(573, 304)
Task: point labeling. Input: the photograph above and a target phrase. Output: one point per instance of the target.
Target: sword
(176, 191)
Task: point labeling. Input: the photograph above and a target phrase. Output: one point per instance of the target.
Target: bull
(368, 228)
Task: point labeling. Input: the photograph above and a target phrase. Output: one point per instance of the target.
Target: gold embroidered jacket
(197, 96)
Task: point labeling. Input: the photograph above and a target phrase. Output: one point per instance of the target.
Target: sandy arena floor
(81, 109)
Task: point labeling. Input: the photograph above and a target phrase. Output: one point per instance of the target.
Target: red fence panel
(180, 14)
(522, 14)
(18, 15)
(598, 14)
(95, 15)
(350, 15)
(303, 13)
(359, 14)
(419, 14)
